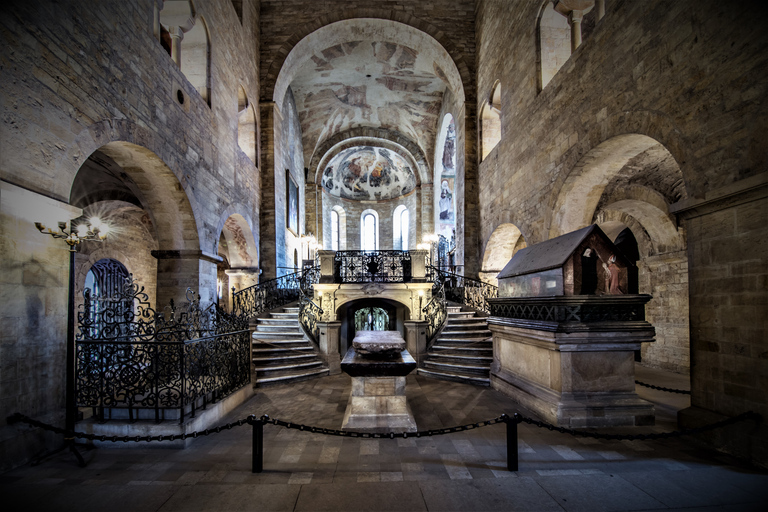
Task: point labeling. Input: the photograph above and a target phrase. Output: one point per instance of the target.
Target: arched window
(554, 43)
(196, 59)
(400, 232)
(491, 121)
(334, 230)
(369, 230)
(246, 126)
(104, 291)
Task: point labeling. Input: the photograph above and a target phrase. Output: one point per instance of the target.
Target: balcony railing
(372, 267)
(135, 363)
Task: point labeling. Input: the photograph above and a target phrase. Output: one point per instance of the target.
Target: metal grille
(372, 267)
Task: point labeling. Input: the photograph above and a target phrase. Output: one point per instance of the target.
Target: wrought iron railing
(435, 312)
(309, 315)
(170, 363)
(268, 295)
(576, 308)
(372, 267)
(465, 290)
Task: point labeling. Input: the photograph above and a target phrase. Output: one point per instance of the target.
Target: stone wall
(689, 75)
(81, 76)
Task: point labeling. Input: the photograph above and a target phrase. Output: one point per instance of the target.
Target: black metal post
(70, 400)
(258, 445)
(512, 442)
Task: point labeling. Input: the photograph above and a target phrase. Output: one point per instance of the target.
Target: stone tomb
(565, 331)
(378, 363)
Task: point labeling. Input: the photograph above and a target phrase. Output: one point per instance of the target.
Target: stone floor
(461, 471)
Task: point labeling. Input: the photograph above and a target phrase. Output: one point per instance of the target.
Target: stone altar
(378, 363)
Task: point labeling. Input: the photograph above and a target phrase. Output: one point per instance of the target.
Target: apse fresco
(368, 173)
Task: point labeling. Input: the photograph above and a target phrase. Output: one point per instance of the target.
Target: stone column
(326, 265)
(267, 219)
(176, 36)
(419, 265)
(179, 270)
(416, 338)
(156, 23)
(329, 345)
(574, 19)
(240, 278)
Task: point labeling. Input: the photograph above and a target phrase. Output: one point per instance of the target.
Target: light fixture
(94, 230)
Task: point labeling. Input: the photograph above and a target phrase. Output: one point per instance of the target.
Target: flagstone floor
(459, 471)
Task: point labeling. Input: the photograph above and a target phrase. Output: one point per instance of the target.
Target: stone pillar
(267, 218)
(156, 22)
(329, 345)
(574, 19)
(416, 338)
(419, 265)
(179, 270)
(240, 278)
(176, 36)
(326, 265)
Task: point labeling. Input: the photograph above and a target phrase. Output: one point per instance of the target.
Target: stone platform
(377, 402)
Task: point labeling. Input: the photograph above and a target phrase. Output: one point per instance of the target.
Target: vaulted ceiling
(369, 73)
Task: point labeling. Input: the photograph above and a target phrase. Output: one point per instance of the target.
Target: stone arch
(282, 55)
(577, 198)
(503, 243)
(236, 230)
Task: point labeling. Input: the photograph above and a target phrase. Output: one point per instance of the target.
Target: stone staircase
(463, 351)
(281, 353)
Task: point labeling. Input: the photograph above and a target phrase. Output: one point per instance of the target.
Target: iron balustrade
(268, 295)
(465, 290)
(372, 267)
(170, 362)
(435, 312)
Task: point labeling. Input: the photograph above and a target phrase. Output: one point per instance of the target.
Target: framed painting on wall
(292, 203)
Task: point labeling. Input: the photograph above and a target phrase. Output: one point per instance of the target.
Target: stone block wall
(688, 75)
(77, 76)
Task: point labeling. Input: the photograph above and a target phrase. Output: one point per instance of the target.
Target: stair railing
(274, 293)
(309, 312)
(435, 312)
(465, 290)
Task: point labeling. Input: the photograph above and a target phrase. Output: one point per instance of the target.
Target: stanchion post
(512, 442)
(257, 464)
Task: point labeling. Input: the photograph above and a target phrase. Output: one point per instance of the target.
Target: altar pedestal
(377, 402)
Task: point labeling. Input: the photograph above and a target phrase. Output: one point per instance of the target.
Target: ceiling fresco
(368, 173)
(369, 83)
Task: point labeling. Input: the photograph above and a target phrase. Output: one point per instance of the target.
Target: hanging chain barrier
(659, 388)
(510, 421)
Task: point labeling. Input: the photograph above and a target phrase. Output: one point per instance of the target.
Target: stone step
(291, 376)
(292, 310)
(277, 366)
(457, 367)
(448, 349)
(479, 333)
(459, 358)
(291, 336)
(276, 356)
(466, 378)
(449, 340)
(277, 321)
(269, 349)
(292, 328)
(294, 316)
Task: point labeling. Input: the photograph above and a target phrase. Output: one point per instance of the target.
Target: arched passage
(132, 188)
(503, 243)
(238, 251)
(628, 182)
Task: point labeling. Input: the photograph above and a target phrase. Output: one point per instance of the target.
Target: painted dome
(368, 173)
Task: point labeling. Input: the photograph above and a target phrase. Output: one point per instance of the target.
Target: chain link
(265, 419)
(668, 390)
